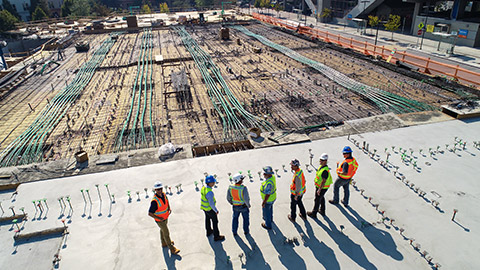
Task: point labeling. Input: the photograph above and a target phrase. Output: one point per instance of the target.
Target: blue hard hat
(347, 150)
(267, 170)
(210, 179)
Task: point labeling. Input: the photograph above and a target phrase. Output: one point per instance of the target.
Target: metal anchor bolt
(108, 190)
(455, 211)
(23, 210)
(83, 195)
(146, 193)
(138, 195)
(98, 190)
(11, 208)
(88, 194)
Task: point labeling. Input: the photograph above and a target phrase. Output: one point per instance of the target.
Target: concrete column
(458, 9)
(416, 11)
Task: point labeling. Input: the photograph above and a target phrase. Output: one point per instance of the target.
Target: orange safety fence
(425, 64)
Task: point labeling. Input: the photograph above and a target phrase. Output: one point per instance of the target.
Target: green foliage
(204, 3)
(39, 14)
(146, 9)
(164, 8)
(373, 20)
(392, 24)
(8, 6)
(81, 8)
(39, 3)
(257, 3)
(265, 3)
(100, 10)
(7, 21)
(66, 8)
(278, 7)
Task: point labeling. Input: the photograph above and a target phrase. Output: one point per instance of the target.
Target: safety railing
(424, 64)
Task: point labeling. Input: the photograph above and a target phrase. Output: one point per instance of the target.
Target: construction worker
(208, 206)
(268, 190)
(345, 171)
(237, 196)
(297, 189)
(160, 211)
(323, 180)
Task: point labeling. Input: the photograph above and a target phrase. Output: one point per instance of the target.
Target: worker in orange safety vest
(237, 196)
(297, 189)
(160, 211)
(345, 171)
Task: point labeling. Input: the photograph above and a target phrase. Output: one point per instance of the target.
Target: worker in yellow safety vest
(345, 171)
(238, 197)
(208, 205)
(160, 211)
(297, 189)
(323, 180)
(268, 190)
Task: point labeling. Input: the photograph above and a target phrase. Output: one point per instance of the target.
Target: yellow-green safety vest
(205, 206)
(318, 178)
(272, 181)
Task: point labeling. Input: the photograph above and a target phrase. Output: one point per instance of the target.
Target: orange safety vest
(162, 208)
(352, 168)
(299, 174)
(237, 195)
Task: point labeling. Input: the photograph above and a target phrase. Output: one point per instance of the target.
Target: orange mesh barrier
(425, 64)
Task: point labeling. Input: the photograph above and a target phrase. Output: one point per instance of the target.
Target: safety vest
(204, 202)
(293, 188)
(237, 195)
(352, 168)
(319, 179)
(272, 181)
(162, 208)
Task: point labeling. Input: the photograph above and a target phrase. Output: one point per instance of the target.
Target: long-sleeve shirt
(211, 201)
(246, 197)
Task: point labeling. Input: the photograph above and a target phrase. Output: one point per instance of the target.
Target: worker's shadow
(320, 250)
(380, 239)
(170, 259)
(252, 257)
(287, 256)
(221, 259)
(346, 245)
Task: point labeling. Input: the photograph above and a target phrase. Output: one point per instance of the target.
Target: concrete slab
(121, 235)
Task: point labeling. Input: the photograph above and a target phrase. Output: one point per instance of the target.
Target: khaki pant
(164, 233)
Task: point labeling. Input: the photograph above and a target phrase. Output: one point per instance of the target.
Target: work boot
(265, 226)
(332, 202)
(174, 250)
(291, 219)
(219, 238)
(312, 214)
(165, 245)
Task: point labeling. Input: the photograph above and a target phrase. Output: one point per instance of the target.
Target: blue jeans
(345, 183)
(268, 214)
(237, 210)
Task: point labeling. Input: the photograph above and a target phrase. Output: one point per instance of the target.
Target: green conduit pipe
(234, 117)
(384, 100)
(28, 147)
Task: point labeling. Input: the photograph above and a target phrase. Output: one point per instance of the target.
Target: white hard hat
(158, 185)
(324, 156)
(237, 178)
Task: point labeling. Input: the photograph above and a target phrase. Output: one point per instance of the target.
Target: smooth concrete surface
(122, 236)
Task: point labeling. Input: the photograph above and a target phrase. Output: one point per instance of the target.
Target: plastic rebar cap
(238, 177)
(324, 156)
(347, 150)
(158, 185)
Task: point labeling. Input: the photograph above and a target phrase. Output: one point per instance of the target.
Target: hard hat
(324, 156)
(210, 179)
(347, 150)
(237, 178)
(268, 170)
(157, 185)
(295, 162)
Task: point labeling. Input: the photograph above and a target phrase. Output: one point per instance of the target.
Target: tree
(204, 3)
(39, 3)
(326, 13)
(100, 10)
(257, 3)
(278, 7)
(7, 21)
(164, 8)
(146, 9)
(373, 21)
(8, 6)
(67, 7)
(39, 14)
(392, 24)
(81, 8)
